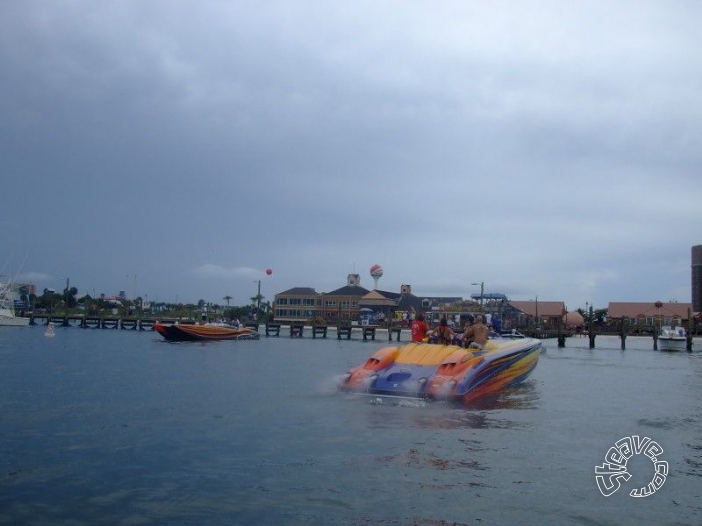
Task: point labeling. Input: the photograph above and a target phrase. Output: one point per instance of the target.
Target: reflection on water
(486, 412)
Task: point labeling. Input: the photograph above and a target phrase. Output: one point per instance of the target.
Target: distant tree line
(67, 302)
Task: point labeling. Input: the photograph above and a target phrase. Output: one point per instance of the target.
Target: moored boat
(445, 372)
(7, 310)
(672, 338)
(187, 332)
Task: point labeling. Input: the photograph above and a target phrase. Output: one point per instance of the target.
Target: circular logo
(609, 474)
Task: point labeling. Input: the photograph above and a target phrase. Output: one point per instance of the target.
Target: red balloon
(269, 271)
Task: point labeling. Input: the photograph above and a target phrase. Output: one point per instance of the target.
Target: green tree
(48, 300)
(69, 297)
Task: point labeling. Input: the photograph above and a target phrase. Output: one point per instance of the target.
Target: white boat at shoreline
(672, 339)
(7, 310)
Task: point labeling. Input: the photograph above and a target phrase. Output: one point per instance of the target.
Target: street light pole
(482, 290)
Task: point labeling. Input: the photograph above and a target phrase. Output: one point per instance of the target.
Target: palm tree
(256, 301)
(227, 298)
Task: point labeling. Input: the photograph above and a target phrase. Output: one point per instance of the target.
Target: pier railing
(100, 322)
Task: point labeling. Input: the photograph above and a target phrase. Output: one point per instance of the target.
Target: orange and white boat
(177, 332)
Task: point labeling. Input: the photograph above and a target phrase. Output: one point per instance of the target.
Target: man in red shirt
(419, 329)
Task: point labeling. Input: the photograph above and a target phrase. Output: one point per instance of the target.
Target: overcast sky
(177, 149)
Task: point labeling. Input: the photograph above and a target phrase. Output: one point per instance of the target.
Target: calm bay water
(120, 427)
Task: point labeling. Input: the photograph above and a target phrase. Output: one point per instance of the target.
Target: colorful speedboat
(183, 332)
(445, 372)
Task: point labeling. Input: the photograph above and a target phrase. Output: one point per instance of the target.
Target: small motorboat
(445, 372)
(50, 330)
(177, 332)
(672, 338)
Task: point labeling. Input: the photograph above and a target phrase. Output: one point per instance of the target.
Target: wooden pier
(96, 322)
(295, 329)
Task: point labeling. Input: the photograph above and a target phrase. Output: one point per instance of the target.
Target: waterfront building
(645, 316)
(402, 307)
(542, 314)
(302, 304)
(297, 304)
(343, 305)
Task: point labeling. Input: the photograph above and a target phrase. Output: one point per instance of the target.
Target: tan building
(297, 304)
(302, 304)
(649, 314)
(348, 303)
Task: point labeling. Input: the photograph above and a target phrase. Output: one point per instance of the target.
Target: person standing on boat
(496, 324)
(419, 329)
(476, 334)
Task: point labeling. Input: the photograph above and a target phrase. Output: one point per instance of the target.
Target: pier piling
(320, 330)
(343, 330)
(396, 330)
(624, 331)
(272, 329)
(296, 329)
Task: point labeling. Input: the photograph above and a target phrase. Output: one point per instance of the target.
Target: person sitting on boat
(419, 329)
(476, 334)
(443, 333)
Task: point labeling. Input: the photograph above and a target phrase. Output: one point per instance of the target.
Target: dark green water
(119, 427)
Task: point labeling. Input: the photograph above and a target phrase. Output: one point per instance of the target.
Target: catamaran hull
(672, 344)
(13, 321)
(445, 372)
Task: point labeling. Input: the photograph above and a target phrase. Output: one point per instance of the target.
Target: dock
(271, 329)
(96, 322)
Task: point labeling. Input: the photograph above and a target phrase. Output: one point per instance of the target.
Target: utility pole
(258, 298)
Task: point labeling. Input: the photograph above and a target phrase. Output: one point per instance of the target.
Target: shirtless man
(477, 333)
